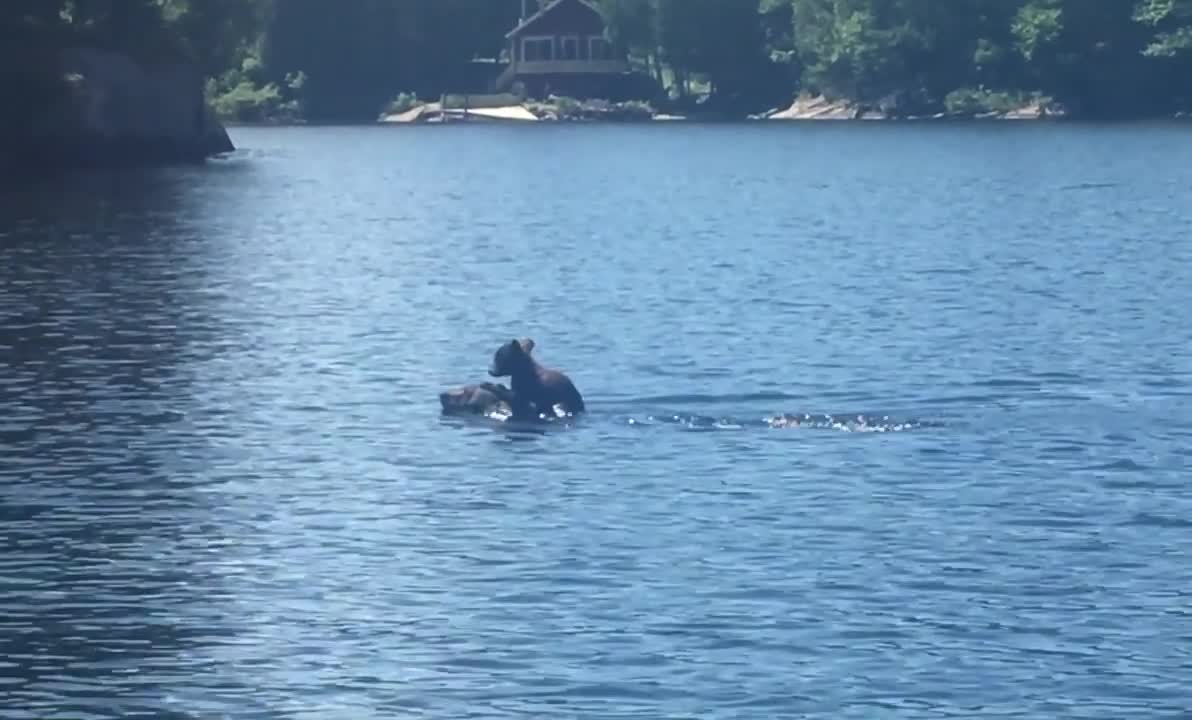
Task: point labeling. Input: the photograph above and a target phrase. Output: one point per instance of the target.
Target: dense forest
(317, 60)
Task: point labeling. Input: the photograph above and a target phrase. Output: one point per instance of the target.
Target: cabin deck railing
(557, 67)
(551, 67)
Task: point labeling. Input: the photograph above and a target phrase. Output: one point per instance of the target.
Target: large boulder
(115, 111)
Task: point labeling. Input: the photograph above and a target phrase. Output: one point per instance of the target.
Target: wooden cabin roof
(548, 10)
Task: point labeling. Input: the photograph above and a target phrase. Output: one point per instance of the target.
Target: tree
(632, 25)
(217, 34)
(1170, 44)
(1087, 54)
(851, 48)
(1172, 21)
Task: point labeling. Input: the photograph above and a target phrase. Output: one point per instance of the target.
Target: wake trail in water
(645, 411)
(849, 422)
(625, 413)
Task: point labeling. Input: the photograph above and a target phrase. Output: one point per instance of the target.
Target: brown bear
(536, 389)
(481, 399)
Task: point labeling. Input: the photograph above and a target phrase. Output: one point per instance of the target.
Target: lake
(226, 490)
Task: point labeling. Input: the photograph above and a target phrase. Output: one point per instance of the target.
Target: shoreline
(49, 155)
(711, 120)
(504, 110)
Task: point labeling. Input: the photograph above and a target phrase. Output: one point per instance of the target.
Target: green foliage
(631, 23)
(245, 102)
(1172, 21)
(245, 94)
(849, 51)
(360, 55)
(981, 101)
(1036, 26)
(403, 102)
(568, 108)
(1170, 44)
(216, 34)
(289, 59)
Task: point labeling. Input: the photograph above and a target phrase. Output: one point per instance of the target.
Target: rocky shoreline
(817, 107)
(803, 108)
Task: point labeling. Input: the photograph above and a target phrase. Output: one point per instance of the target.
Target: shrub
(241, 96)
(567, 108)
(400, 104)
(974, 101)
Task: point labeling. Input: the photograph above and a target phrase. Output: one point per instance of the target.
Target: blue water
(226, 490)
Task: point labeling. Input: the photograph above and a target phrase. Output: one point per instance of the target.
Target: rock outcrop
(112, 111)
(816, 108)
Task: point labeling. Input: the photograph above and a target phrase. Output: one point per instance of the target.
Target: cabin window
(599, 49)
(537, 49)
(569, 47)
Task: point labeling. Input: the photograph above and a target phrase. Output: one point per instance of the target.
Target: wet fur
(536, 389)
(484, 398)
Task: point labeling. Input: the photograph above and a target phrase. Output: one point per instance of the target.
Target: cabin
(562, 49)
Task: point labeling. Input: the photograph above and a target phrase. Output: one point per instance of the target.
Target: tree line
(321, 61)
(1102, 58)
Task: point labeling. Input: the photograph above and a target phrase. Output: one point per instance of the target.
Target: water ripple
(912, 445)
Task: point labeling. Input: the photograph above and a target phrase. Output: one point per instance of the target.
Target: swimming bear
(483, 398)
(536, 389)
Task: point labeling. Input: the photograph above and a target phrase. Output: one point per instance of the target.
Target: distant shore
(802, 109)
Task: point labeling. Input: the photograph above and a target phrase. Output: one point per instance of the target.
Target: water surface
(226, 491)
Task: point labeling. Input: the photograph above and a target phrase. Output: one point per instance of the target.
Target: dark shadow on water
(99, 323)
(510, 429)
(1089, 186)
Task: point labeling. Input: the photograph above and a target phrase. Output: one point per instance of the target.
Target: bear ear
(527, 344)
